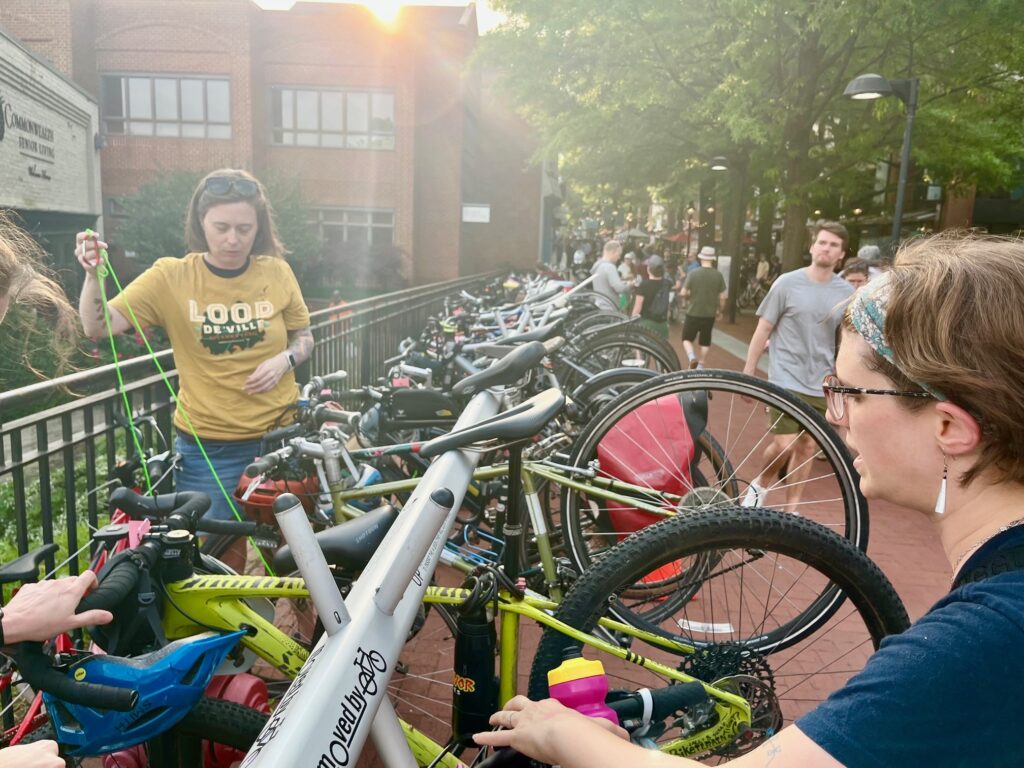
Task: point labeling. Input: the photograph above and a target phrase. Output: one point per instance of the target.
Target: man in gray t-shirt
(606, 276)
(801, 315)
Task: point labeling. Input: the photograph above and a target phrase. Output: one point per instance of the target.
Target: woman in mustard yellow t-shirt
(236, 320)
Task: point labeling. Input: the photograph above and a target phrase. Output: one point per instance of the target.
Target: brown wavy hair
(267, 242)
(29, 285)
(955, 323)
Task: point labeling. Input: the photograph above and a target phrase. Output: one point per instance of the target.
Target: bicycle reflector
(169, 682)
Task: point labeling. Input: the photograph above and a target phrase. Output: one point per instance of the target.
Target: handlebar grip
(262, 465)
(227, 527)
(35, 668)
(324, 415)
(334, 378)
(115, 587)
(284, 433)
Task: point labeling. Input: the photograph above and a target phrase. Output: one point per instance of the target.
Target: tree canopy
(641, 94)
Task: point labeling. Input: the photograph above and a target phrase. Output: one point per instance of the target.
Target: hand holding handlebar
(45, 609)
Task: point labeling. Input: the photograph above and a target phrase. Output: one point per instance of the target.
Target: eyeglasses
(835, 395)
(223, 185)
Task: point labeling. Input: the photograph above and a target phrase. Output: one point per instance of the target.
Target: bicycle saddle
(543, 333)
(506, 371)
(26, 567)
(519, 423)
(348, 546)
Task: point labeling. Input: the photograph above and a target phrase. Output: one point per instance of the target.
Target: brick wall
(43, 26)
(422, 60)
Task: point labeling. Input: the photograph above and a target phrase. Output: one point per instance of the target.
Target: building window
(340, 119)
(340, 226)
(179, 107)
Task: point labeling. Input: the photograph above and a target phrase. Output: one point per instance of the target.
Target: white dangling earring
(940, 502)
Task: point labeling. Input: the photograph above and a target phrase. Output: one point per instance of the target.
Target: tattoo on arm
(300, 344)
(773, 751)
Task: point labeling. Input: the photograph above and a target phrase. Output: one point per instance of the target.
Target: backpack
(660, 303)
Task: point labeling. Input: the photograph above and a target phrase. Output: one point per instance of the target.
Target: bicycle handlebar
(190, 505)
(35, 668)
(183, 510)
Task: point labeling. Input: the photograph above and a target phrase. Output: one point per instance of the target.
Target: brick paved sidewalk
(902, 542)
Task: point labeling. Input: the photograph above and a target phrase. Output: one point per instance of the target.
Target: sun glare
(385, 10)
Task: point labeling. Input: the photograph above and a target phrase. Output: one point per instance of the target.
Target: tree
(641, 94)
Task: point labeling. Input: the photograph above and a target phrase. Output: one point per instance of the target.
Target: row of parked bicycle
(529, 463)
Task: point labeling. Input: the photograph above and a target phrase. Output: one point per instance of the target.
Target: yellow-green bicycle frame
(204, 602)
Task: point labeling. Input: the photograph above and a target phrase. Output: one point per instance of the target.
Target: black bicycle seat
(543, 333)
(348, 546)
(26, 567)
(504, 372)
(519, 423)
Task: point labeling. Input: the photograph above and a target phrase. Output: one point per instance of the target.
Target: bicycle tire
(774, 656)
(835, 500)
(605, 351)
(591, 396)
(635, 330)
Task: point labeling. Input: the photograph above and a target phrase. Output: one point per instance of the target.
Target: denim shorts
(229, 459)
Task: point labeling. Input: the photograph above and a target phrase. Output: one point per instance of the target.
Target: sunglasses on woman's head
(223, 185)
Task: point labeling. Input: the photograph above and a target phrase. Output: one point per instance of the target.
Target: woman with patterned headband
(236, 320)
(930, 392)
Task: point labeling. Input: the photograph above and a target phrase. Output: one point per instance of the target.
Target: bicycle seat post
(512, 532)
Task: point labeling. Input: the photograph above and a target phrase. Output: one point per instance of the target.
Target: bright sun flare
(385, 10)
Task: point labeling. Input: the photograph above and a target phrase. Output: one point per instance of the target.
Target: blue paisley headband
(867, 315)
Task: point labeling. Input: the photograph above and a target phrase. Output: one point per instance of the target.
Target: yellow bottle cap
(575, 669)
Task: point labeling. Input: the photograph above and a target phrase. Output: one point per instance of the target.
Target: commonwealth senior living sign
(47, 158)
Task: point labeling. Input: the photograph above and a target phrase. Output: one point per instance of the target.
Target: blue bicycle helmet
(169, 682)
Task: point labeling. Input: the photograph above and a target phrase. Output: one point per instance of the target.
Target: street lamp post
(872, 86)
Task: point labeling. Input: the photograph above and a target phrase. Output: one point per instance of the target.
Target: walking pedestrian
(800, 315)
(704, 292)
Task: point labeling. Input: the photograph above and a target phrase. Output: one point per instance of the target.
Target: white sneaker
(754, 497)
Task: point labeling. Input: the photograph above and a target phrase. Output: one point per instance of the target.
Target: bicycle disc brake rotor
(745, 672)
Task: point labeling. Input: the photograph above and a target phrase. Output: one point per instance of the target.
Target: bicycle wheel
(591, 396)
(784, 611)
(631, 348)
(697, 438)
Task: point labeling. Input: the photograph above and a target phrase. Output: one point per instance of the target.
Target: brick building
(386, 129)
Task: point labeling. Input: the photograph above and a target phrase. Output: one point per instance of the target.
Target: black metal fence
(54, 463)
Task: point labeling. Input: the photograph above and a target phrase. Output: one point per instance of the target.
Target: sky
(486, 18)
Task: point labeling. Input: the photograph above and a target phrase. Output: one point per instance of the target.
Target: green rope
(102, 270)
(167, 382)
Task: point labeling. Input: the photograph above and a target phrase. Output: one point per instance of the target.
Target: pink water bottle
(581, 685)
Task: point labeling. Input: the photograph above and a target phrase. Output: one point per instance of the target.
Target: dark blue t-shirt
(944, 693)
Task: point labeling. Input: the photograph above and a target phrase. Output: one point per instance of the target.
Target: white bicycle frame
(339, 697)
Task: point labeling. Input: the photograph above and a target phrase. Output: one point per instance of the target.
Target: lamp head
(868, 86)
(718, 163)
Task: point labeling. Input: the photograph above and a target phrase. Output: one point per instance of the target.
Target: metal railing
(54, 463)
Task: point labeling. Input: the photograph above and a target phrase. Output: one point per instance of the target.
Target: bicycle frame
(355, 659)
(201, 602)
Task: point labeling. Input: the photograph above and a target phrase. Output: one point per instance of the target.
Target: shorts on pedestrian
(782, 424)
(692, 326)
(229, 459)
